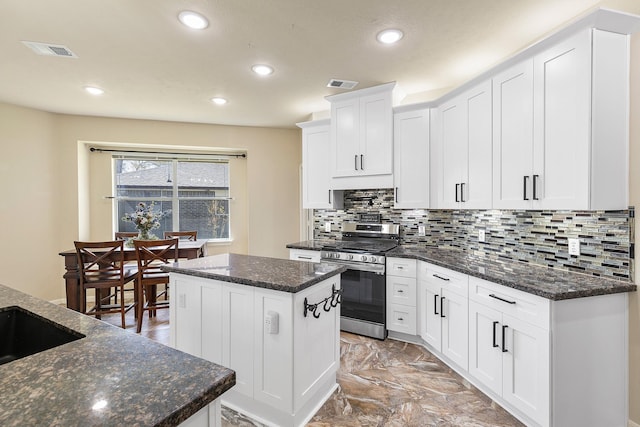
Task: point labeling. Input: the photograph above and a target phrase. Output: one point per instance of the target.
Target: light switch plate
(574, 246)
(327, 227)
(421, 231)
(481, 235)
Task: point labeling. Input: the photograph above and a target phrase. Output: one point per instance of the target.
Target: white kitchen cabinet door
(211, 294)
(316, 179)
(477, 184)
(376, 134)
(525, 364)
(345, 137)
(562, 100)
(430, 317)
(452, 151)
(237, 334)
(485, 354)
(464, 138)
(513, 137)
(455, 328)
(411, 159)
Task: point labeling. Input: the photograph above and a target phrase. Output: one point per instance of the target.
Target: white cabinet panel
(513, 137)
(376, 134)
(237, 344)
(411, 159)
(401, 318)
(316, 179)
(212, 319)
(345, 137)
(485, 354)
(525, 381)
(455, 335)
(401, 293)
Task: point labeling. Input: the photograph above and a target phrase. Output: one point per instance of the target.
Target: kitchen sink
(23, 333)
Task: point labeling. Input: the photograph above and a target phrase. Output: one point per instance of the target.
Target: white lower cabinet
(510, 357)
(282, 375)
(443, 311)
(401, 295)
(549, 363)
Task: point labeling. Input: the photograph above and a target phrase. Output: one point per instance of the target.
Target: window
(194, 194)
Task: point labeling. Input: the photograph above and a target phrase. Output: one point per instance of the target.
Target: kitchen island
(275, 322)
(106, 376)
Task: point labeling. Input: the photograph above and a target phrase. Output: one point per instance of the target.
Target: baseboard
(632, 424)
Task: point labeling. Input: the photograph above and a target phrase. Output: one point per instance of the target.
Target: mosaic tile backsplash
(537, 237)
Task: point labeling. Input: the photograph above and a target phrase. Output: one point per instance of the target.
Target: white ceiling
(152, 67)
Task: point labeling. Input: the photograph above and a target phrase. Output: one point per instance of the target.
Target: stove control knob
(363, 258)
(373, 259)
(336, 256)
(349, 256)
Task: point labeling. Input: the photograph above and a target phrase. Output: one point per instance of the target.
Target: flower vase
(145, 235)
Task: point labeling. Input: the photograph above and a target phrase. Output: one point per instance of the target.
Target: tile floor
(381, 383)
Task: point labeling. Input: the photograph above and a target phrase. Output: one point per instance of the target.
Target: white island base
(285, 373)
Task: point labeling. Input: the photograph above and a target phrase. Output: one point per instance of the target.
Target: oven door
(363, 307)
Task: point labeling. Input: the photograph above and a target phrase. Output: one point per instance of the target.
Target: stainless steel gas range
(362, 249)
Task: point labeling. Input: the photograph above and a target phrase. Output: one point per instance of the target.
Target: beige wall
(53, 188)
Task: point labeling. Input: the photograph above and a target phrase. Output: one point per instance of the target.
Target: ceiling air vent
(342, 84)
(49, 49)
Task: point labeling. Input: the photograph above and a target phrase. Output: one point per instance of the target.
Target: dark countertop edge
(254, 283)
(197, 404)
(620, 287)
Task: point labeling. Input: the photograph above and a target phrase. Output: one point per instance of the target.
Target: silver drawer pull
(400, 319)
(304, 257)
(400, 267)
(502, 299)
(400, 291)
(441, 278)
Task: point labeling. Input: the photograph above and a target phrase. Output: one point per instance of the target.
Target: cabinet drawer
(304, 255)
(445, 278)
(401, 290)
(521, 305)
(401, 318)
(403, 267)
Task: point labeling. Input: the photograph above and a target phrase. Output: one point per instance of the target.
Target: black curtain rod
(104, 150)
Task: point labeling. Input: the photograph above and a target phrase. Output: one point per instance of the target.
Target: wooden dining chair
(151, 255)
(190, 235)
(124, 235)
(102, 268)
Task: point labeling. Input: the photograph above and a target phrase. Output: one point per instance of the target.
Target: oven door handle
(358, 266)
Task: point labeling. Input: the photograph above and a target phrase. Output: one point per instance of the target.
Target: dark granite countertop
(312, 245)
(262, 272)
(543, 281)
(546, 282)
(138, 381)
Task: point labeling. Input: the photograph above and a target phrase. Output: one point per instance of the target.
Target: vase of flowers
(145, 219)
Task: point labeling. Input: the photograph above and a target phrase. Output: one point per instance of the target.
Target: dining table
(187, 249)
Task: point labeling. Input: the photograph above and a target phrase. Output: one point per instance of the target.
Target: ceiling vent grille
(48, 49)
(342, 84)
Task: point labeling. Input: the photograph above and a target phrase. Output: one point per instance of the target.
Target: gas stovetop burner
(363, 242)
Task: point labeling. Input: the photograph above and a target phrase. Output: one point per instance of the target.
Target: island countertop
(263, 272)
(133, 380)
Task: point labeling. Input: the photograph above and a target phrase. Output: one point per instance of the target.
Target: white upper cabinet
(560, 137)
(411, 159)
(464, 151)
(316, 182)
(513, 137)
(361, 138)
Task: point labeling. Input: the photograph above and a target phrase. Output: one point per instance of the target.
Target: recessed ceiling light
(389, 36)
(261, 69)
(219, 101)
(193, 20)
(94, 90)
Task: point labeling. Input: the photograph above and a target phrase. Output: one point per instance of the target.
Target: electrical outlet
(574, 246)
(327, 227)
(421, 231)
(481, 235)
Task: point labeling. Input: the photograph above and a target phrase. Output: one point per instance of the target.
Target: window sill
(219, 242)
